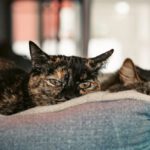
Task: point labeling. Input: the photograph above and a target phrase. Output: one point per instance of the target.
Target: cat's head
(128, 73)
(49, 76)
(57, 77)
(86, 77)
(85, 74)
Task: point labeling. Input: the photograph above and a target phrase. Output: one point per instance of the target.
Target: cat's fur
(53, 79)
(11, 87)
(128, 77)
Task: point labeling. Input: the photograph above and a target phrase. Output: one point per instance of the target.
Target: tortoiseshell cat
(53, 79)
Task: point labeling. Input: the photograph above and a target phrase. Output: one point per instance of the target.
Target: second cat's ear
(98, 61)
(127, 73)
(38, 57)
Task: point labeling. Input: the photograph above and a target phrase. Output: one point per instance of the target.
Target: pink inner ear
(128, 74)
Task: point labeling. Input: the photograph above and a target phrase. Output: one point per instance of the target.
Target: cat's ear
(38, 57)
(97, 62)
(127, 73)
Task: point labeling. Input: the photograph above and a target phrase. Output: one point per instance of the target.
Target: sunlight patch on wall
(21, 48)
(122, 7)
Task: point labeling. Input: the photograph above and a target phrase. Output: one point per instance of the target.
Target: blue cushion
(112, 125)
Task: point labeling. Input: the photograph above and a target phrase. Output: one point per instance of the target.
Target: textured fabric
(111, 125)
(92, 97)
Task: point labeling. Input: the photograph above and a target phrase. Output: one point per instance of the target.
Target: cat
(128, 77)
(53, 79)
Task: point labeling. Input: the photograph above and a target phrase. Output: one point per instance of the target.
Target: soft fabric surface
(92, 97)
(98, 121)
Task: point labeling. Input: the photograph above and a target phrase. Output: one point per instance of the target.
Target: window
(124, 26)
(54, 24)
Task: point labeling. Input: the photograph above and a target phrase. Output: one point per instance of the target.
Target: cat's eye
(85, 85)
(88, 87)
(54, 82)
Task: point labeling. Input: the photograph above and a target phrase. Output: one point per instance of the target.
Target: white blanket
(92, 97)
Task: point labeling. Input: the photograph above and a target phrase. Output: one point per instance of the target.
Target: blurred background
(76, 27)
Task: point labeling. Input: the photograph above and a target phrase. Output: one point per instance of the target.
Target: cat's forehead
(73, 62)
(61, 73)
(56, 58)
(60, 58)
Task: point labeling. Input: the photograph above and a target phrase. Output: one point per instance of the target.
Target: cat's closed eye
(54, 82)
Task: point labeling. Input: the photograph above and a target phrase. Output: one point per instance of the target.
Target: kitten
(132, 77)
(53, 79)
